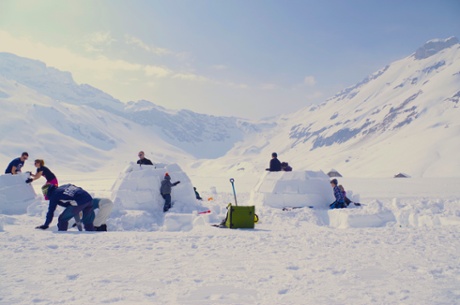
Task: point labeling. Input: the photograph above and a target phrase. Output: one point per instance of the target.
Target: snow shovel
(232, 181)
(240, 216)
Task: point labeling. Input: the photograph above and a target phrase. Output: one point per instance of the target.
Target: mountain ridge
(402, 118)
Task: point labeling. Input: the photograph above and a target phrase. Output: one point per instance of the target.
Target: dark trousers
(337, 205)
(167, 198)
(72, 211)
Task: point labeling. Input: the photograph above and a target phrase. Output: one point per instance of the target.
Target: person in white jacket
(104, 207)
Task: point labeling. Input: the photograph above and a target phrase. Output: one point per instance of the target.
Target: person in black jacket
(143, 160)
(165, 191)
(275, 164)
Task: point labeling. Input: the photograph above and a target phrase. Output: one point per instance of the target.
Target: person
(74, 199)
(197, 195)
(339, 202)
(44, 171)
(165, 191)
(14, 167)
(346, 200)
(275, 164)
(285, 167)
(143, 160)
(344, 193)
(105, 207)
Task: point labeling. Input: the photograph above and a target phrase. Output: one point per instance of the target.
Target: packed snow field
(400, 247)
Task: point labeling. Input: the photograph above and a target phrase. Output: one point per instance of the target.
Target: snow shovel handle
(232, 181)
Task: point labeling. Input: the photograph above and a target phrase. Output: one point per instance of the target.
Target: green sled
(240, 217)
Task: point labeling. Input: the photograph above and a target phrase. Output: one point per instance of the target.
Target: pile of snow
(138, 204)
(293, 189)
(15, 194)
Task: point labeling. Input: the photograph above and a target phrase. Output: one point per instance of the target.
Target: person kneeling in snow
(339, 202)
(165, 191)
(105, 207)
(74, 199)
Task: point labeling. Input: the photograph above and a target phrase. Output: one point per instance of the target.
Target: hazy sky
(247, 58)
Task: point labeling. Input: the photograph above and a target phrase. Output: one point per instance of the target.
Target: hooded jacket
(166, 185)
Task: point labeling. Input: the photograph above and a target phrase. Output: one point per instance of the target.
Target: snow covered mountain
(200, 135)
(403, 118)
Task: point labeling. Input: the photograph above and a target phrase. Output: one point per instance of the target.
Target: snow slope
(403, 118)
(305, 256)
(400, 247)
(185, 129)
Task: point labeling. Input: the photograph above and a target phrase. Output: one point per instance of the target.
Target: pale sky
(245, 58)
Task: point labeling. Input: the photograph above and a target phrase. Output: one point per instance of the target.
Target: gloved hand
(176, 183)
(29, 180)
(42, 227)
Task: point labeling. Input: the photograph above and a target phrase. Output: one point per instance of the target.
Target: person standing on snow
(275, 164)
(74, 199)
(143, 160)
(44, 171)
(165, 191)
(339, 202)
(15, 166)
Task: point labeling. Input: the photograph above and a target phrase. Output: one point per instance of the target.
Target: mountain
(202, 136)
(402, 118)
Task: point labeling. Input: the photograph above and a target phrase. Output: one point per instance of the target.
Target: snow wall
(293, 189)
(138, 204)
(15, 194)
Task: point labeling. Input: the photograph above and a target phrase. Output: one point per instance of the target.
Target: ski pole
(232, 181)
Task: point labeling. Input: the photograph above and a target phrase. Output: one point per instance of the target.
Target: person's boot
(102, 228)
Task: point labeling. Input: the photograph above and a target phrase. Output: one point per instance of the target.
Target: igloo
(293, 189)
(15, 194)
(138, 204)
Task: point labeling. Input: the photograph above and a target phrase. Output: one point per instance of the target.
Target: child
(165, 191)
(339, 202)
(346, 200)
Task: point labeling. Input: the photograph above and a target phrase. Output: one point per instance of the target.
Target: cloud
(157, 71)
(131, 40)
(309, 81)
(219, 67)
(268, 86)
(95, 42)
(191, 76)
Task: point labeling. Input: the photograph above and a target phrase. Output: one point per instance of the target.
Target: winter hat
(166, 174)
(274, 154)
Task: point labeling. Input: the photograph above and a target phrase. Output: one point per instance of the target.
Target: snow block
(138, 203)
(296, 188)
(15, 194)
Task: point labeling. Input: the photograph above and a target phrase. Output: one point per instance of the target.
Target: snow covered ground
(401, 247)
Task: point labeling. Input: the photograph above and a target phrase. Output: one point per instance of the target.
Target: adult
(143, 160)
(74, 199)
(43, 171)
(15, 166)
(104, 207)
(339, 202)
(275, 164)
(165, 191)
